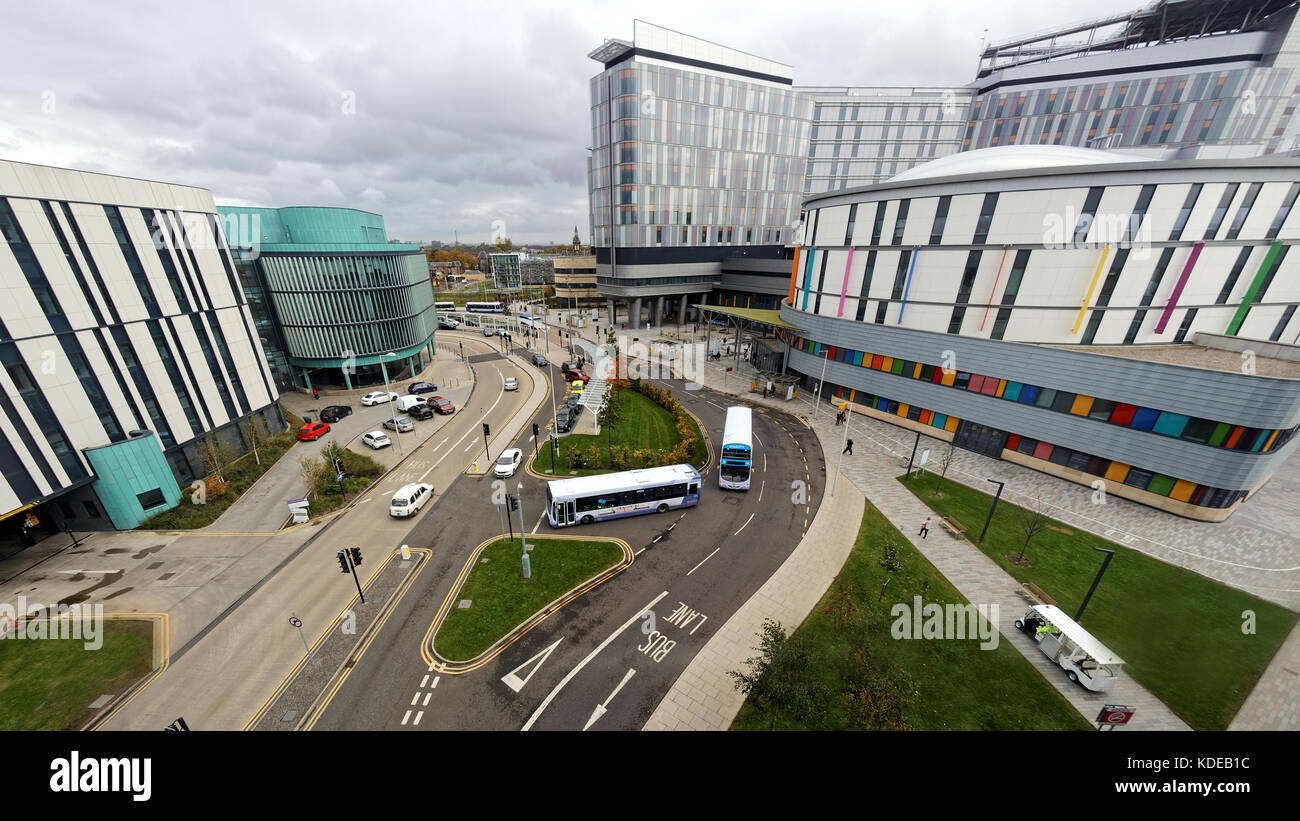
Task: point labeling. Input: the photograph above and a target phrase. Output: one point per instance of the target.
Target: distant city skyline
(398, 112)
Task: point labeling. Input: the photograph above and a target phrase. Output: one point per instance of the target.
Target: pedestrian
(315, 394)
(848, 448)
(765, 391)
(925, 528)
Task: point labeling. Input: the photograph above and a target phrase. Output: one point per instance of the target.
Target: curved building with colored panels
(1087, 314)
(335, 297)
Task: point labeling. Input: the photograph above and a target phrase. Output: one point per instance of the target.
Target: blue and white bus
(484, 307)
(589, 499)
(444, 307)
(737, 458)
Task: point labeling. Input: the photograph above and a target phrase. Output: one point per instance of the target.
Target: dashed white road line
(424, 680)
(406, 718)
(427, 696)
(746, 524)
(418, 716)
(417, 698)
(702, 561)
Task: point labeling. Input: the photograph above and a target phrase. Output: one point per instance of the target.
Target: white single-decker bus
(737, 459)
(588, 499)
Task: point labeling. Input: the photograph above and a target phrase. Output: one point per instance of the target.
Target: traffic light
(514, 503)
(356, 556)
(536, 432)
(486, 430)
(343, 562)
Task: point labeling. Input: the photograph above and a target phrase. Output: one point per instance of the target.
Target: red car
(312, 431)
(575, 376)
(443, 406)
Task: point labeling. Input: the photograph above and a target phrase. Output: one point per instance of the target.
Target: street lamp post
(523, 536)
(843, 446)
(1110, 554)
(817, 407)
(555, 418)
(392, 404)
(992, 507)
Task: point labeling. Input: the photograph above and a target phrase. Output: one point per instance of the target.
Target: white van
(405, 403)
(408, 500)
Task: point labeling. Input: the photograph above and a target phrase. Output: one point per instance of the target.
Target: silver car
(401, 424)
(512, 384)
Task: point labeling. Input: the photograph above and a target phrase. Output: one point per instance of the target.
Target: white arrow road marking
(551, 696)
(512, 679)
(702, 561)
(601, 708)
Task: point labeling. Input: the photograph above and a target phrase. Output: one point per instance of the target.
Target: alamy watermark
(57, 621)
(946, 621)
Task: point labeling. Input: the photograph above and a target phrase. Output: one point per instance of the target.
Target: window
(91, 510)
(985, 219)
(1234, 275)
(1186, 211)
(1216, 219)
(1244, 210)
(1046, 397)
(1138, 478)
(1101, 409)
(1088, 214)
(940, 219)
(961, 381)
(900, 222)
(151, 498)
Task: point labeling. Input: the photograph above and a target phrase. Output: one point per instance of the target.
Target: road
(603, 660)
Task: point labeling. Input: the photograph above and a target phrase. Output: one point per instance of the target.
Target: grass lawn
(241, 474)
(873, 681)
(359, 470)
(503, 599)
(46, 684)
(1179, 633)
(645, 425)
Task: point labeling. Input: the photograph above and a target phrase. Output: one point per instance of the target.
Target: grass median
(1182, 636)
(644, 426)
(848, 672)
(48, 684)
(501, 598)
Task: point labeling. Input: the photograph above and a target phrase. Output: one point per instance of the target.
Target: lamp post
(1110, 554)
(392, 403)
(843, 446)
(817, 407)
(555, 418)
(992, 507)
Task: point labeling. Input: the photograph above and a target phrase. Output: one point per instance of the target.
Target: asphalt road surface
(605, 660)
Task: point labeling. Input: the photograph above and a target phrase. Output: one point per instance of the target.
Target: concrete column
(609, 304)
(681, 309)
(306, 377)
(634, 313)
(347, 378)
(659, 312)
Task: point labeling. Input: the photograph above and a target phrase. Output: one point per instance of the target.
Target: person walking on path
(315, 394)
(925, 528)
(848, 448)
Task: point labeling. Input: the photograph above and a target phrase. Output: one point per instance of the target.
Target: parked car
(569, 366)
(443, 406)
(408, 499)
(539, 360)
(401, 424)
(576, 388)
(420, 412)
(574, 412)
(312, 431)
(563, 420)
(575, 376)
(512, 384)
(421, 387)
(334, 413)
(377, 439)
(447, 323)
(488, 331)
(378, 398)
(572, 400)
(502, 332)
(508, 463)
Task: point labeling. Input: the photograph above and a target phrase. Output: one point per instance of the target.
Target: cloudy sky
(443, 117)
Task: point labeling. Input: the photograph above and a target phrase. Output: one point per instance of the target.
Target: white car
(512, 384)
(377, 439)
(508, 463)
(408, 499)
(378, 398)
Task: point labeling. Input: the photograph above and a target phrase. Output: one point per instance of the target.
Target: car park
(539, 360)
(420, 412)
(377, 439)
(408, 499)
(563, 420)
(421, 387)
(312, 431)
(401, 424)
(443, 406)
(334, 413)
(508, 463)
(378, 398)
(511, 383)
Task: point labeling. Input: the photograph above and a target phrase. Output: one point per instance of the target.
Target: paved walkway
(704, 698)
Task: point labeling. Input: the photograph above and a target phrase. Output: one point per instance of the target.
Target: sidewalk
(703, 697)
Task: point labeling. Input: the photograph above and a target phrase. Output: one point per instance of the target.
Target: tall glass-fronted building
(698, 155)
(346, 307)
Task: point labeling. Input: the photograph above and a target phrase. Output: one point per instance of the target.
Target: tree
(945, 461)
(781, 677)
(310, 469)
(1032, 519)
(254, 429)
(214, 454)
